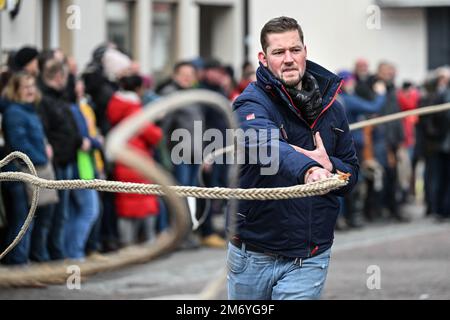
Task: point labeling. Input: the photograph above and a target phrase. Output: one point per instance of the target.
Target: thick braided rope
(298, 191)
(400, 115)
(316, 188)
(34, 202)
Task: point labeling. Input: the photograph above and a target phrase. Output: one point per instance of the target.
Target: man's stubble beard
(297, 84)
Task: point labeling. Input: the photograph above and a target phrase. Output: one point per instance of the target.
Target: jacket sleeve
(359, 105)
(289, 163)
(345, 159)
(152, 134)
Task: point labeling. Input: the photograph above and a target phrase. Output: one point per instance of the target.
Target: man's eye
(277, 53)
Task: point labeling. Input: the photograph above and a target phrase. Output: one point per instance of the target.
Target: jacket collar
(329, 83)
(51, 92)
(29, 107)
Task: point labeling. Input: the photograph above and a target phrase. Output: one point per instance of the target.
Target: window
(163, 38)
(438, 20)
(119, 17)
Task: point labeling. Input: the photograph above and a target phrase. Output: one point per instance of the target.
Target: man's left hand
(319, 154)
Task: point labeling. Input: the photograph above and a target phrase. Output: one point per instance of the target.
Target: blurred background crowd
(59, 115)
(71, 70)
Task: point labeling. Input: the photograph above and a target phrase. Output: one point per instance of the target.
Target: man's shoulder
(251, 96)
(338, 111)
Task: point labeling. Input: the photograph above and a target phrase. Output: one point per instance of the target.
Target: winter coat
(60, 126)
(23, 131)
(121, 106)
(184, 119)
(298, 227)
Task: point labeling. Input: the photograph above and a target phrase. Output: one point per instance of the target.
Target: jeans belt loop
(243, 247)
(298, 262)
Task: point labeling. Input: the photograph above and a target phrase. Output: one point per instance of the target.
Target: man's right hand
(315, 174)
(319, 154)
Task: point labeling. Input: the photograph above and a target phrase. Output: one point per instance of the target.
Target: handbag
(46, 196)
(85, 164)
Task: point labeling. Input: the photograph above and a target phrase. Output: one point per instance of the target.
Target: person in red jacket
(136, 212)
(408, 99)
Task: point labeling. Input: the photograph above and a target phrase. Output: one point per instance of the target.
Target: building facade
(156, 33)
(413, 34)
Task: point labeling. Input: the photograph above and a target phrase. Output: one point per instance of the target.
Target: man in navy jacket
(280, 249)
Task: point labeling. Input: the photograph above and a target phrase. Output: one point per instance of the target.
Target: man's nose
(288, 57)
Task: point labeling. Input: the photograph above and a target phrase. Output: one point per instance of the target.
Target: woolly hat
(346, 75)
(212, 64)
(24, 56)
(115, 64)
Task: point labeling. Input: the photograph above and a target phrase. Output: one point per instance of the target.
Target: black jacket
(59, 125)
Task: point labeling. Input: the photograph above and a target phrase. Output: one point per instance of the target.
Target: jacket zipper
(328, 106)
(297, 111)
(311, 127)
(283, 132)
(313, 133)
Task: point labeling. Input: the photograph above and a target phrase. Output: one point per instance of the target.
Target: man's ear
(306, 52)
(262, 58)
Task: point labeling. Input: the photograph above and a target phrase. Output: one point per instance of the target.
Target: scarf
(308, 99)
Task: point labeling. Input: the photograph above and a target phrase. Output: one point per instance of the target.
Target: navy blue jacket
(300, 227)
(24, 132)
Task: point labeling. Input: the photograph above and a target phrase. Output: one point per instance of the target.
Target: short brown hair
(52, 68)
(11, 91)
(279, 25)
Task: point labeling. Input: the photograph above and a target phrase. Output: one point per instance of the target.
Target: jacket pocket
(254, 210)
(330, 136)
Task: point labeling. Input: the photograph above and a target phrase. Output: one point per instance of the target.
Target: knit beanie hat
(24, 56)
(115, 63)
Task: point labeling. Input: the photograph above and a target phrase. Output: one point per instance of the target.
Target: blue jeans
(162, 220)
(39, 237)
(93, 243)
(257, 276)
(16, 206)
(57, 231)
(84, 211)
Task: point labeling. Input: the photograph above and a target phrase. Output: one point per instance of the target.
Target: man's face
(361, 67)
(214, 76)
(186, 77)
(386, 73)
(32, 67)
(61, 80)
(285, 57)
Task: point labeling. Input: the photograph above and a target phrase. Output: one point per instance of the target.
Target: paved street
(413, 260)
